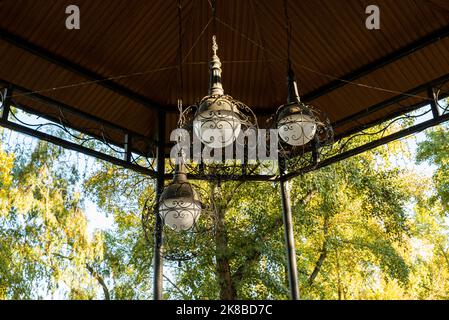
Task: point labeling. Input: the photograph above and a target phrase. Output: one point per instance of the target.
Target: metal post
(6, 103)
(289, 236)
(158, 228)
(433, 105)
(127, 147)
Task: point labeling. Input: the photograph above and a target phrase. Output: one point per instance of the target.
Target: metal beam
(392, 116)
(392, 100)
(57, 104)
(64, 107)
(371, 67)
(79, 70)
(76, 147)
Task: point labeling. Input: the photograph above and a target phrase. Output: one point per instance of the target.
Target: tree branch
(184, 295)
(255, 254)
(323, 253)
(100, 281)
(444, 254)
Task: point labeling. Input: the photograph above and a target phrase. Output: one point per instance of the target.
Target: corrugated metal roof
(126, 37)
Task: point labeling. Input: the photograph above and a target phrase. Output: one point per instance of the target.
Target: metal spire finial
(214, 45)
(215, 87)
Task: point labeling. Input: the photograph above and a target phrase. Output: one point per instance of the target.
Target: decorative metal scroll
(99, 139)
(181, 245)
(218, 163)
(315, 137)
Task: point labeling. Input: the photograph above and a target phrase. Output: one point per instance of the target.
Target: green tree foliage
(44, 243)
(364, 229)
(435, 150)
(127, 248)
(432, 218)
(350, 224)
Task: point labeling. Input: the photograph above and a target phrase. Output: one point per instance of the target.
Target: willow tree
(44, 245)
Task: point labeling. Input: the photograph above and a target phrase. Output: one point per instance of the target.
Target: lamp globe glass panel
(217, 129)
(180, 214)
(297, 129)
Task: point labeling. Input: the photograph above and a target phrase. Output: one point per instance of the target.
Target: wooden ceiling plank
(371, 67)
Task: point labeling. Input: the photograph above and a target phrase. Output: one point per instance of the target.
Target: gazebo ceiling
(135, 44)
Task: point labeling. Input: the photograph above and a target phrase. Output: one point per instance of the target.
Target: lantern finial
(215, 87)
(214, 45)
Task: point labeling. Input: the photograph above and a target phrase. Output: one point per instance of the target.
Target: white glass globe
(297, 129)
(217, 129)
(180, 214)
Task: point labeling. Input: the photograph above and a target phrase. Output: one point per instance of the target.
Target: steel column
(433, 105)
(127, 147)
(289, 235)
(6, 103)
(158, 228)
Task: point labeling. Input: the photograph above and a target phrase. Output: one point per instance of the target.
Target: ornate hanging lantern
(179, 203)
(302, 129)
(219, 118)
(297, 122)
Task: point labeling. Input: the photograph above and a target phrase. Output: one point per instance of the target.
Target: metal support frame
(433, 105)
(126, 161)
(158, 228)
(150, 172)
(394, 115)
(56, 105)
(119, 89)
(289, 236)
(75, 147)
(6, 104)
(66, 64)
(390, 101)
(283, 178)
